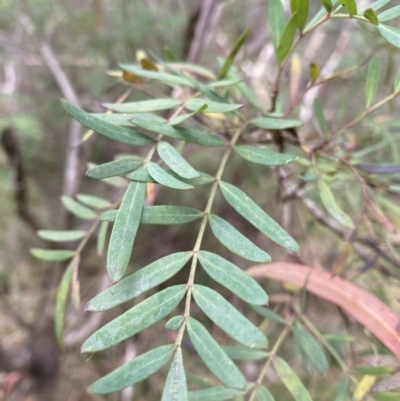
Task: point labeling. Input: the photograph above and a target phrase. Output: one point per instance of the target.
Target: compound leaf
(175, 161)
(163, 178)
(224, 315)
(233, 278)
(213, 356)
(256, 216)
(106, 129)
(61, 236)
(114, 168)
(137, 283)
(236, 241)
(136, 319)
(124, 230)
(175, 388)
(134, 371)
(262, 156)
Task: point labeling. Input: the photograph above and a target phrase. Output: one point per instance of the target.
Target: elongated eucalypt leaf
(106, 129)
(331, 206)
(319, 113)
(162, 177)
(224, 315)
(372, 83)
(143, 106)
(276, 21)
(370, 15)
(290, 380)
(232, 54)
(262, 156)
(61, 236)
(175, 388)
(136, 319)
(262, 394)
(391, 34)
(61, 303)
(215, 394)
(287, 38)
(235, 241)
(93, 201)
(52, 256)
(124, 230)
(275, 123)
(311, 348)
(174, 323)
(389, 14)
(233, 278)
(184, 134)
(241, 353)
(213, 356)
(212, 107)
(134, 371)
(256, 216)
(350, 6)
(327, 4)
(137, 283)
(175, 161)
(300, 7)
(114, 168)
(78, 209)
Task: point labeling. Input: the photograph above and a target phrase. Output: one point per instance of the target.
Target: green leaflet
(184, 134)
(268, 314)
(174, 323)
(262, 156)
(343, 389)
(202, 180)
(183, 117)
(137, 283)
(106, 129)
(123, 118)
(276, 20)
(233, 278)
(212, 107)
(224, 315)
(214, 394)
(134, 371)
(61, 236)
(290, 380)
(350, 6)
(136, 319)
(263, 394)
(331, 206)
(311, 348)
(327, 4)
(143, 106)
(319, 113)
(101, 239)
(235, 241)
(275, 123)
(376, 5)
(373, 370)
(389, 14)
(163, 178)
(213, 356)
(286, 41)
(175, 161)
(77, 209)
(372, 82)
(61, 302)
(114, 168)
(141, 175)
(158, 76)
(301, 8)
(391, 34)
(175, 386)
(256, 216)
(52, 256)
(93, 201)
(370, 15)
(387, 396)
(124, 230)
(241, 353)
(232, 54)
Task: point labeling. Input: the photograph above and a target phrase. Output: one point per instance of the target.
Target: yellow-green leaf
(300, 7)
(350, 6)
(370, 15)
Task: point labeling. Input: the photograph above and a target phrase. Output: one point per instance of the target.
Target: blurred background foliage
(88, 39)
